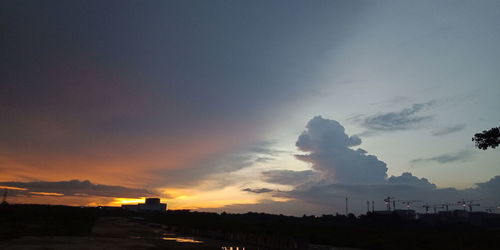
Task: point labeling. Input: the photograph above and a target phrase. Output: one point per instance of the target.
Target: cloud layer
(151, 87)
(75, 188)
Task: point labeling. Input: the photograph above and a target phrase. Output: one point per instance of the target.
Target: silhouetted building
(151, 204)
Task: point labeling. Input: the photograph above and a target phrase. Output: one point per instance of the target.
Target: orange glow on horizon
(125, 201)
(47, 193)
(212, 204)
(199, 199)
(12, 188)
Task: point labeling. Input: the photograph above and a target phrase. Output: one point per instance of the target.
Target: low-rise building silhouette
(151, 204)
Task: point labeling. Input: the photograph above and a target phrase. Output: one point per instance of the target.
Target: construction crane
(469, 203)
(447, 205)
(388, 201)
(426, 206)
(492, 209)
(436, 207)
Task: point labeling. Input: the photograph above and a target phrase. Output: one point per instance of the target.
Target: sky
(271, 106)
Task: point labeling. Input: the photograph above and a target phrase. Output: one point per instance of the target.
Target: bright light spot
(46, 193)
(281, 199)
(120, 201)
(183, 197)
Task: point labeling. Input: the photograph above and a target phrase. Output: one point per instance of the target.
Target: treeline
(366, 232)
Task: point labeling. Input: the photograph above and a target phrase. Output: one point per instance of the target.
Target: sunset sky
(273, 106)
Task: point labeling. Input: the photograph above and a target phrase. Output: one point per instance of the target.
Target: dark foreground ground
(61, 227)
(113, 233)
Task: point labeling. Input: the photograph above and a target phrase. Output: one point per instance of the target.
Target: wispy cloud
(463, 155)
(449, 130)
(404, 119)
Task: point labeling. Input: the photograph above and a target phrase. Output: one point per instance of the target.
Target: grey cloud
(78, 188)
(408, 179)
(463, 155)
(492, 184)
(290, 177)
(449, 130)
(394, 121)
(257, 190)
(331, 156)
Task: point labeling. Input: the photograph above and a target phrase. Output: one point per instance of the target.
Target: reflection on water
(183, 239)
(180, 239)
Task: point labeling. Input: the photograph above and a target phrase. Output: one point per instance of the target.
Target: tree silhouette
(488, 138)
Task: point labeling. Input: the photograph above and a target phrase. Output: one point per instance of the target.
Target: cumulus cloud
(492, 184)
(76, 188)
(448, 130)
(329, 152)
(410, 180)
(463, 155)
(404, 119)
(257, 190)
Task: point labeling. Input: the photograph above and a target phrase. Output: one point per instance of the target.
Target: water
(181, 239)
